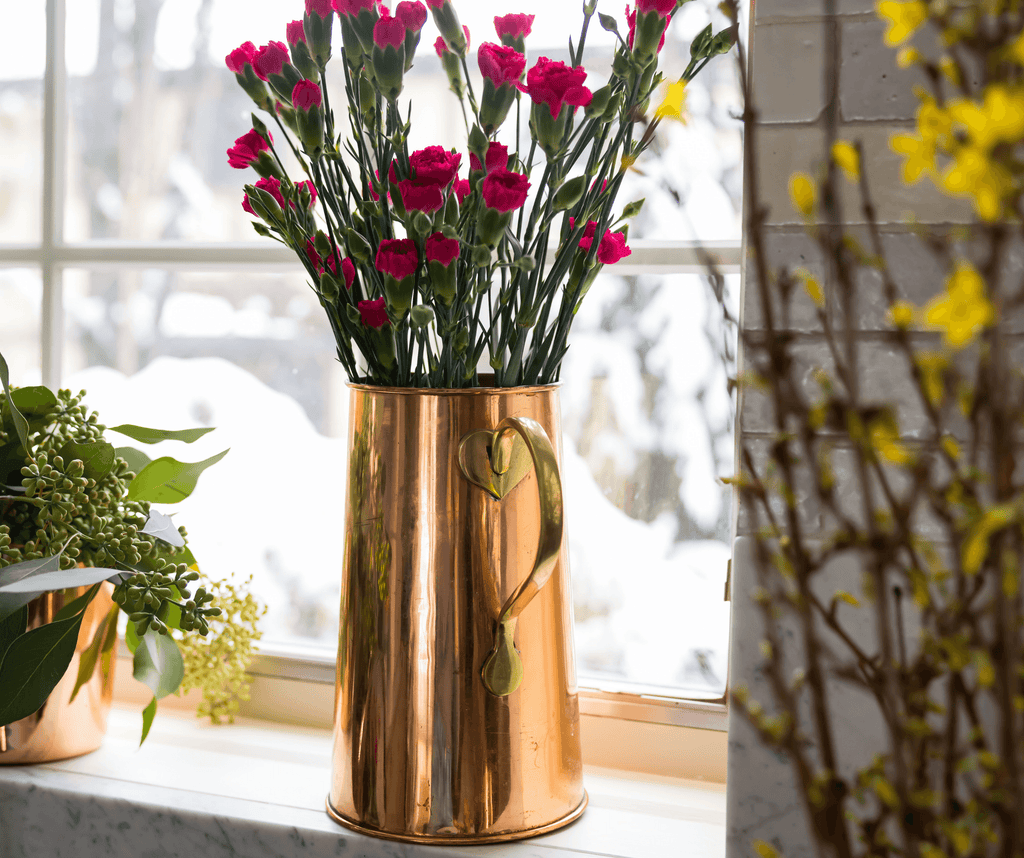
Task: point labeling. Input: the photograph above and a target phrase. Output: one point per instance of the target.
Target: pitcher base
(458, 839)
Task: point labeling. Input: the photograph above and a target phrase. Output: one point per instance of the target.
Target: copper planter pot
(61, 728)
(455, 564)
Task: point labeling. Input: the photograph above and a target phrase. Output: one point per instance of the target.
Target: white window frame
(629, 728)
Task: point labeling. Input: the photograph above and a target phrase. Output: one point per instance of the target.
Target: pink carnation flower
(319, 7)
(412, 14)
(500, 63)
(504, 190)
(421, 196)
(515, 26)
(665, 8)
(247, 149)
(270, 59)
(462, 189)
(496, 158)
(306, 95)
(244, 54)
(434, 164)
(555, 84)
(351, 7)
(348, 271)
(374, 314)
(389, 31)
(295, 32)
(397, 257)
(440, 249)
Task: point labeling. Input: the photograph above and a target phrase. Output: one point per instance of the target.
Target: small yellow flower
(885, 439)
(901, 314)
(907, 57)
(802, 193)
(1016, 50)
(904, 17)
(974, 174)
(674, 103)
(964, 310)
(950, 70)
(812, 286)
(847, 159)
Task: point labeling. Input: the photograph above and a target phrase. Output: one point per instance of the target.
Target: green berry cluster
(87, 519)
(217, 664)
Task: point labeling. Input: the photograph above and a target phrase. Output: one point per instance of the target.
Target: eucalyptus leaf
(136, 459)
(78, 605)
(62, 579)
(167, 480)
(33, 666)
(20, 423)
(158, 664)
(11, 629)
(162, 527)
(148, 714)
(155, 436)
(37, 401)
(12, 602)
(87, 662)
(131, 637)
(97, 456)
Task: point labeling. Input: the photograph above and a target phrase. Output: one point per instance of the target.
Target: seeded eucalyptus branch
(74, 514)
(424, 274)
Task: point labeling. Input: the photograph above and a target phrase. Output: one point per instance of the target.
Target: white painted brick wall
(875, 101)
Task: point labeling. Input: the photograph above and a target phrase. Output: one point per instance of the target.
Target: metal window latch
(728, 581)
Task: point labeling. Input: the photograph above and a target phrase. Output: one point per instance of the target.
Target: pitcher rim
(455, 391)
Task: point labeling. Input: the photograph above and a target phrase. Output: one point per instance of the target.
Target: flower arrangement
(426, 263)
(75, 512)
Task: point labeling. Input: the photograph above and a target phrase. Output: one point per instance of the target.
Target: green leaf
(158, 664)
(97, 456)
(136, 459)
(131, 637)
(148, 714)
(11, 629)
(12, 602)
(35, 401)
(62, 579)
(167, 480)
(78, 605)
(155, 436)
(20, 423)
(87, 663)
(33, 666)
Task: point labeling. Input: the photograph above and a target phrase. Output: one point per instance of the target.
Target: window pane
(21, 298)
(22, 62)
(646, 407)
(149, 163)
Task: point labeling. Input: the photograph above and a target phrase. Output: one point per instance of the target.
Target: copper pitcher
(456, 711)
(62, 727)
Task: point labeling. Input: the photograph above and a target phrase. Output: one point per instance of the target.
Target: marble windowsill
(257, 789)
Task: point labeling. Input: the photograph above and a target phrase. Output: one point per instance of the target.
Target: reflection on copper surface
(435, 557)
(62, 728)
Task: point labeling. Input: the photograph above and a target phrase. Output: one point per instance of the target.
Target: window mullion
(54, 134)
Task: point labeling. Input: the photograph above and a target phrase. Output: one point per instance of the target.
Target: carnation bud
(448, 24)
(422, 224)
(329, 287)
(569, 194)
(632, 209)
(420, 316)
(481, 256)
(599, 103)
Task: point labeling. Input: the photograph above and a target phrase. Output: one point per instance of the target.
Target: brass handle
(502, 670)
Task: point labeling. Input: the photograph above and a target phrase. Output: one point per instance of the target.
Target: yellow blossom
(903, 16)
(919, 156)
(675, 102)
(999, 118)
(932, 367)
(901, 314)
(812, 286)
(847, 159)
(884, 438)
(907, 57)
(950, 70)
(802, 192)
(1016, 50)
(964, 310)
(974, 174)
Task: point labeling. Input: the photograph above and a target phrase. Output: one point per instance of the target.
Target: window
(128, 268)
